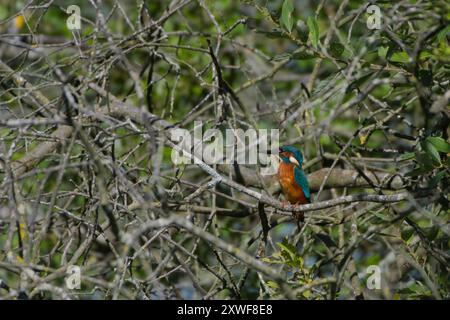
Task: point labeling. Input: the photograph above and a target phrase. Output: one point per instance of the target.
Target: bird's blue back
(302, 181)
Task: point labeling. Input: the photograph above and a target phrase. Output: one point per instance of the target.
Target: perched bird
(292, 178)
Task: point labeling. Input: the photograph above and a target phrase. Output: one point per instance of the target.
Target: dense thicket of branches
(86, 176)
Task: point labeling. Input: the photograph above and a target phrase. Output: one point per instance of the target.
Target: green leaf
(432, 232)
(313, 31)
(440, 144)
(268, 260)
(298, 262)
(407, 233)
(336, 49)
(382, 52)
(358, 82)
(431, 150)
(407, 156)
(282, 56)
(381, 216)
(307, 294)
(273, 34)
(288, 248)
(416, 172)
(303, 55)
(436, 179)
(424, 55)
(286, 15)
(443, 33)
(401, 56)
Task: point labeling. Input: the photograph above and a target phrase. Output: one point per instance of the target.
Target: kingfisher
(292, 178)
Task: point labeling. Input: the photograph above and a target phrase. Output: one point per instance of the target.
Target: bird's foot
(299, 216)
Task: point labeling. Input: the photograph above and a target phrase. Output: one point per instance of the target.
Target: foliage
(87, 177)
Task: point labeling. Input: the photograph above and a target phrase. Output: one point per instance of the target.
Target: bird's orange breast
(291, 190)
